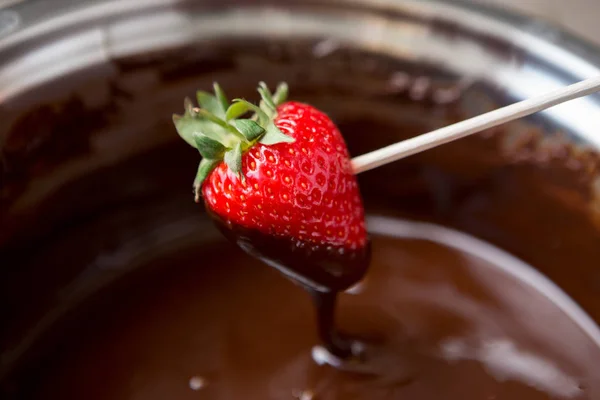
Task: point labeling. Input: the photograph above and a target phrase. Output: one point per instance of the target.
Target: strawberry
(280, 184)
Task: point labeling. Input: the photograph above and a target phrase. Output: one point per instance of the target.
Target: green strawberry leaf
(267, 98)
(208, 147)
(237, 109)
(263, 118)
(220, 127)
(210, 103)
(212, 118)
(221, 97)
(233, 159)
(204, 169)
(273, 136)
(281, 93)
(250, 129)
(183, 131)
(185, 128)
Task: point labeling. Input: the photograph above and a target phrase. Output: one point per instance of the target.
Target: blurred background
(578, 16)
(575, 15)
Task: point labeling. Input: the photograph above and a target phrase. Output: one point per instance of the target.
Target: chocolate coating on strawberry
(317, 267)
(280, 184)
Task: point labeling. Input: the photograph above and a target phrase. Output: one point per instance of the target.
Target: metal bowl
(523, 56)
(87, 89)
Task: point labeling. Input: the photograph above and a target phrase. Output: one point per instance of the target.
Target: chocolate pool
(485, 273)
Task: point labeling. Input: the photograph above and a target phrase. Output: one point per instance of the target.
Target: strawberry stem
(217, 132)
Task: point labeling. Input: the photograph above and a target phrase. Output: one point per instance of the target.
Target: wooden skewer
(476, 124)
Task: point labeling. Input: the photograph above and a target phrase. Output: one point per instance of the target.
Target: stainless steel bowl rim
(42, 40)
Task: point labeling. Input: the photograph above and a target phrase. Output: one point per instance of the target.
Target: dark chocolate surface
(437, 323)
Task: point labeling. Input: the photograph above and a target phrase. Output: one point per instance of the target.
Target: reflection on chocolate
(113, 284)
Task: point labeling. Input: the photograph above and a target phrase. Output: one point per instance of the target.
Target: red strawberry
(280, 184)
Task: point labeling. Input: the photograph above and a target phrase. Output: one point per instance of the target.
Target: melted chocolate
(441, 324)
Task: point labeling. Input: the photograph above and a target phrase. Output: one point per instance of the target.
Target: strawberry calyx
(219, 132)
